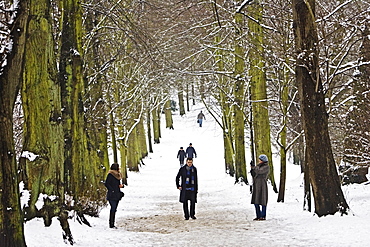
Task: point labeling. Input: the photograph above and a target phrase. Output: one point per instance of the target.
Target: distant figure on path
(114, 194)
(188, 187)
(260, 173)
(190, 151)
(181, 156)
(200, 118)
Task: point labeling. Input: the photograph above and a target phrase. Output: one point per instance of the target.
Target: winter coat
(201, 116)
(260, 190)
(181, 182)
(190, 152)
(112, 183)
(181, 155)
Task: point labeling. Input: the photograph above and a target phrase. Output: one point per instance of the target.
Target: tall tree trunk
(324, 179)
(187, 97)
(11, 221)
(80, 177)
(261, 123)
(132, 151)
(149, 129)
(357, 141)
(156, 127)
(96, 105)
(43, 130)
(283, 134)
(112, 127)
(226, 113)
(168, 114)
(180, 96)
(238, 121)
(307, 204)
(143, 149)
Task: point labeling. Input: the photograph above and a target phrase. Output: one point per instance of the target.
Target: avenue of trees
(290, 79)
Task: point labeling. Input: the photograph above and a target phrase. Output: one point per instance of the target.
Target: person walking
(114, 194)
(181, 156)
(260, 173)
(190, 151)
(187, 183)
(200, 118)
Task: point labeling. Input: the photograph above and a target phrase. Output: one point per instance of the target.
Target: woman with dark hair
(114, 194)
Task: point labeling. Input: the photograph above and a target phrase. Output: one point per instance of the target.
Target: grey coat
(260, 190)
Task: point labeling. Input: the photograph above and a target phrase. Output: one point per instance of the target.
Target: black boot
(112, 216)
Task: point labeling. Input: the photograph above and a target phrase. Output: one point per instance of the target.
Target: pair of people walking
(189, 153)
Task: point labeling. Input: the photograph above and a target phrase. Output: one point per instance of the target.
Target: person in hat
(181, 156)
(187, 183)
(190, 151)
(114, 194)
(260, 173)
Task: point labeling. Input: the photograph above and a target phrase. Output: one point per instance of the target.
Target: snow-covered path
(151, 215)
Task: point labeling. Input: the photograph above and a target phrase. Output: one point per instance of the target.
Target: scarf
(190, 180)
(116, 174)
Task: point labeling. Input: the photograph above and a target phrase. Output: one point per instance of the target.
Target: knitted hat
(263, 158)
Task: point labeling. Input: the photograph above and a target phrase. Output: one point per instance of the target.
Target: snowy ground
(150, 214)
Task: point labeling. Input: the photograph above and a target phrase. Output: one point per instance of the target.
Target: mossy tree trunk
(97, 124)
(156, 125)
(180, 96)
(143, 147)
(226, 112)
(327, 192)
(80, 176)
(132, 151)
(238, 115)
(43, 129)
(149, 129)
(11, 221)
(168, 114)
(261, 124)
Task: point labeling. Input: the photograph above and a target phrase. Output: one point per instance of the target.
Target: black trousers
(189, 196)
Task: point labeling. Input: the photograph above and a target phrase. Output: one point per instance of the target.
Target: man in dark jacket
(188, 187)
(181, 156)
(260, 173)
(190, 151)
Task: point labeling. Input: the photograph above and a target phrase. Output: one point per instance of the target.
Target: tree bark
(156, 126)
(257, 73)
(324, 179)
(238, 121)
(43, 130)
(11, 221)
(168, 114)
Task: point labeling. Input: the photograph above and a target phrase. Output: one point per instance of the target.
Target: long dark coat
(112, 184)
(181, 182)
(260, 190)
(181, 155)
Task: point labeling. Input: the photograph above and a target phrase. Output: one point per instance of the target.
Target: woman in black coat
(114, 194)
